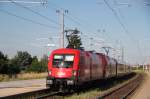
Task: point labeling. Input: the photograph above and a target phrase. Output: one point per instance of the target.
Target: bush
(9, 69)
(6, 66)
(36, 67)
(13, 69)
(3, 68)
(22, 62)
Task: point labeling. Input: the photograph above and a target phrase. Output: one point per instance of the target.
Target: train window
(69, 57)
(63, 60)
(58, 57)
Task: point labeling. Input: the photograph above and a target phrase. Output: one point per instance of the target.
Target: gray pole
(122, 54)
(91, 43)
(62, 28)
(61, 13)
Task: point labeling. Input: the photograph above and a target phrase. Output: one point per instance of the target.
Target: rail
(27, 95)
(124, 90)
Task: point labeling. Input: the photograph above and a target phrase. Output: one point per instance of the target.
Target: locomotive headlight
(49, 72)
(74, 73)
(49, 81)
(70, 82)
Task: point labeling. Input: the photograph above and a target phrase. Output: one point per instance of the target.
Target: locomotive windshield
(63, 60)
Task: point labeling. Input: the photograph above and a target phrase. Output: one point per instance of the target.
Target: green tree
(13, 69)
(35, 65)
(38, 66)
(6, 67)
(3, 57)
(74, 40)
(3, 63)
(44, 62)
(22, 59)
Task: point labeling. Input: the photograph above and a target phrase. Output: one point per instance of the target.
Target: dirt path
(144, 91)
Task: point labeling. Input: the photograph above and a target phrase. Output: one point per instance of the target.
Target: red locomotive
(68, 68)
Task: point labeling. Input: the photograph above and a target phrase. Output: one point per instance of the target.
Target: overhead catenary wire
(116, 16)
(80, 23)
(70, 17)
(138, 44)
(74, 19)
(31, 2)
(35, 12)
(27, 19)
(120, 4)
(55, 8)
(119, 21)
(123, 26)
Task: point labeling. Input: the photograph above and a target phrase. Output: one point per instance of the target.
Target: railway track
(124, 91)
(27, 95)
(119, 92)
(49, 95)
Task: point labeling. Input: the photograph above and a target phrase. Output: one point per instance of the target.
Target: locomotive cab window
(63, 60)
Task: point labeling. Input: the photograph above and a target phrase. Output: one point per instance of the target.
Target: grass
(22, 76)
(85, 95)
(98, 88)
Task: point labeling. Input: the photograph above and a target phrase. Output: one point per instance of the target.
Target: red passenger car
(70, 67)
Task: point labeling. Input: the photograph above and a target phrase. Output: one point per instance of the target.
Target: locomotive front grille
(63, 82)
(58, 82)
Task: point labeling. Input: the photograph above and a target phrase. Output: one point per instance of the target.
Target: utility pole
(62, 28)
(62, 13)
(91, 43)
(114, 53)
(122, 56)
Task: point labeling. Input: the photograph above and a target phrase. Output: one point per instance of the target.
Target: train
(70, 68)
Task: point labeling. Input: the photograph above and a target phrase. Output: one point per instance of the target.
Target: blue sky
(92, 17)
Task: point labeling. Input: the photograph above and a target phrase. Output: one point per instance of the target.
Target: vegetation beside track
(94, 90)
(22, 66)
(21, 63)
(22, 76)
(88, 91)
